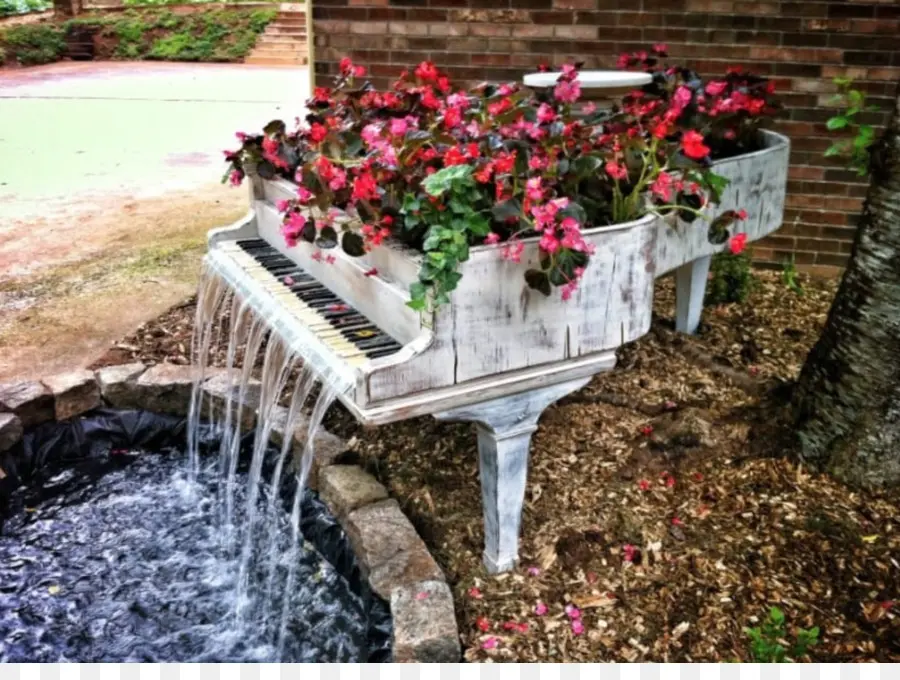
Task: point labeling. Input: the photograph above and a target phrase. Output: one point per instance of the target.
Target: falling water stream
(205, 555)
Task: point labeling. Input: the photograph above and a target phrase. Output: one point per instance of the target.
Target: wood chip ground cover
(658, 502)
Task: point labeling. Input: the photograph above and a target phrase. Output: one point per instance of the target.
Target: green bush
(731, 279)
(12, 7)
(34, 44)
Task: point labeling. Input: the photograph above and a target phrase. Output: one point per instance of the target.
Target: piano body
(497, 355)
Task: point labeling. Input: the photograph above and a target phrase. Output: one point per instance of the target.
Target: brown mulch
(674, 460)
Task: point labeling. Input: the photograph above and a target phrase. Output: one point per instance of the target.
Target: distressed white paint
(690, 288)
(758, 184)
(505, 426)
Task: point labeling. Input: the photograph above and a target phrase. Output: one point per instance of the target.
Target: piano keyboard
(347, 332)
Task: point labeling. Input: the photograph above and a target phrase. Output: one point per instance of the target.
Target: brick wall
(803, 44)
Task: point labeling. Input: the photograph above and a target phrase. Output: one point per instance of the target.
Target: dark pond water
(132, 566)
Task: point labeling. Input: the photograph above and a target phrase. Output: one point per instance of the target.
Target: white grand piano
(497, 355)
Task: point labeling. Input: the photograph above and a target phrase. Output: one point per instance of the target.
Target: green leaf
(442, 180)
(833, 150)
(837, 123)
(538, 280)
(776, 616)
(479, 226)
(574, 210)
(275, 127)
(505, 209)
(585, 166)
(352, 243)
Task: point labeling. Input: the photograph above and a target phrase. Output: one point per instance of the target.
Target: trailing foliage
(216, 35)
(731, 278)
(443, 169)
(854, 150)
(769, 642)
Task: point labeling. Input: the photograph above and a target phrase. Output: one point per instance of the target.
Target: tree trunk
(847, 400)
(66, 8)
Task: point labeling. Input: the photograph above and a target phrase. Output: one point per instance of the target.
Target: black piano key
(378, 342)
(383, 352)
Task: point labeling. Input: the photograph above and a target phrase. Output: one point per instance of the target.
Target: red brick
(490, 30)
(532, 31)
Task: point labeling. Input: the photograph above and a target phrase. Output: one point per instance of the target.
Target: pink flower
(545, 113)
(572, 611)
(475, 593)
(577, 627)
(370, 134)
(512, 251)
(589, 108)
(682, 97)
(644, 485)
(399, 126)
(615, 170)
(660, 48)
(371, 272)
(567, 92)
(492, 238)
(540, 609)
(490, 643)
(630, 552)
(737, 243)
(662, 187)
(534, 571)
(235, 178)
(549, 243)
(716, 87)
(676, 521)
(282, 205)
(288, 280)
(647, 430)
(533, 189)
(693, 146)
(330, 259)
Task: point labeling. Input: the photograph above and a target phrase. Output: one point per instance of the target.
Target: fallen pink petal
(490, 643)
(540, 609)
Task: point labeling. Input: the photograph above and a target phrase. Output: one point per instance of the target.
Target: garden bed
(193, 33)
(666, 461)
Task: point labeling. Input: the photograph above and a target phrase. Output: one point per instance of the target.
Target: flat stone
(165, 388)
(11, 431)
(30, 400)
(345, 488)
(74, 393)
(117, 384)
(388, 547)
(215, 397)
(424, 623)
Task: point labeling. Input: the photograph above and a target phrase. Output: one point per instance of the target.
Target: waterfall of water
(251, 526)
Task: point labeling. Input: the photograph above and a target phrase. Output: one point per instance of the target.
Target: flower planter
(495, 324)
(758, 184)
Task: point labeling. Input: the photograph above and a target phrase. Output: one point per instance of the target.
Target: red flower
(737, 243)
(647, 430)
(676, 521)
(483, 624)
(644, 485)
(475, 593)
(693, 146)
(630, 552)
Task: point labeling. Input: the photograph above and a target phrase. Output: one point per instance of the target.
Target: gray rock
(30, 400)
(344, 488)
(326, 446)
(424, 624)
(165, 388)
(11, 431)
(117, 384)
(389, 548)
(215, 397)
(74, 393)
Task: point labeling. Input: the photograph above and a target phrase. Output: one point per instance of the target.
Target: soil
(73, 282)
(661, 502)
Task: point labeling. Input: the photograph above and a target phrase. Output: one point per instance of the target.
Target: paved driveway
(109, 179)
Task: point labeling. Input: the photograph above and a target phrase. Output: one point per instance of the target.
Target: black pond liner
(89, 444)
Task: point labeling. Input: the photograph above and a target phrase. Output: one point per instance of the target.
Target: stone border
(390, 552)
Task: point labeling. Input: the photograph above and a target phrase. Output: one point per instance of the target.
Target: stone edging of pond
(396, 561)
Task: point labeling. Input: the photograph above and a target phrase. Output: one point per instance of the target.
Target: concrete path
(105, 165)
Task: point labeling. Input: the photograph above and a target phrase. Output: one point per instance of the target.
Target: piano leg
(505, 426)
(690, 287)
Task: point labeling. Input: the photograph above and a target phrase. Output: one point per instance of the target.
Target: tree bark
(66, 8)
(847, 400)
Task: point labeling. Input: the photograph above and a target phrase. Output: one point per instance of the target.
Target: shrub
(34, 44)
(14, 7)
(731, 278)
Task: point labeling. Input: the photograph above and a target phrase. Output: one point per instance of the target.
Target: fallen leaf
(593, 601)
